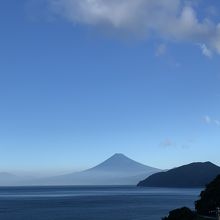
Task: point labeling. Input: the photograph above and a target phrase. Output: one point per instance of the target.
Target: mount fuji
(117, 170)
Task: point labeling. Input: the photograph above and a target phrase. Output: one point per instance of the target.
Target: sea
(92, 202)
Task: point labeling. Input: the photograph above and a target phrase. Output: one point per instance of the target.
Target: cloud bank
(175, 20)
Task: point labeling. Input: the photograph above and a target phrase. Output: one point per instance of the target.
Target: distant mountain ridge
(191, 175)
(117, 170)
(8, 179)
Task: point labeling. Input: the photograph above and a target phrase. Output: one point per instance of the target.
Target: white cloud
(167, 143)
(205, 51)
(217, 122)
(161, 50)
(208, 120)
(170, 19)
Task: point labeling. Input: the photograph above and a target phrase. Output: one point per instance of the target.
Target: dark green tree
(181, 214)
(209, 198)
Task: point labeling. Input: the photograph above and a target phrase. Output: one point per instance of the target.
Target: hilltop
(191, 175)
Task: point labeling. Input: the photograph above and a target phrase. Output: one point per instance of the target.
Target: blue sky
(82, 81)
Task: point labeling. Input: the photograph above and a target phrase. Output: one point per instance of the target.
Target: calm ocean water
(91, 203)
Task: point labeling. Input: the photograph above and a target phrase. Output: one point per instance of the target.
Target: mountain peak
(118, 155)
(209, 162)
(121, 163)
(200, 164)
